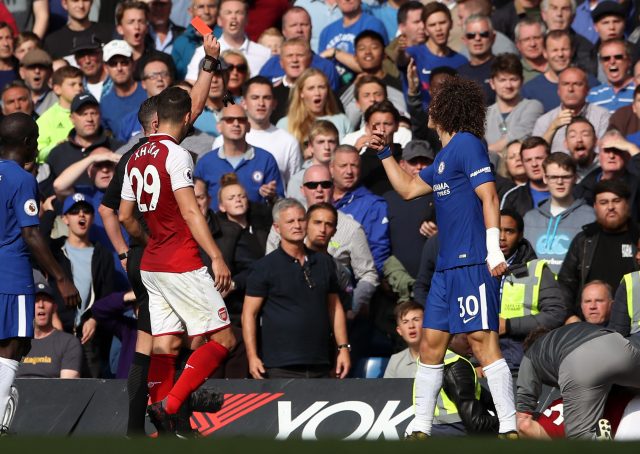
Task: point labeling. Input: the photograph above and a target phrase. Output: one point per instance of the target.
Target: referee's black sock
(138, 393)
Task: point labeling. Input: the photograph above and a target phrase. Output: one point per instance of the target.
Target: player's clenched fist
(221, 274)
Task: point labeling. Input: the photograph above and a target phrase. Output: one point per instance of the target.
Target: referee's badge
(257, 176)
(31, 207)
(440, 167)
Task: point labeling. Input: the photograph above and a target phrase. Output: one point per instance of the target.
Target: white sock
(501, 387)
(8, 368)
(427, 385)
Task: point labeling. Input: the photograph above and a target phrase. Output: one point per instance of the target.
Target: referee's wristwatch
(124, 255)
(347, 346)
(210, 64)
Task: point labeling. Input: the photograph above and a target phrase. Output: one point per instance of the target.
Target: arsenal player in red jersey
(183, 297)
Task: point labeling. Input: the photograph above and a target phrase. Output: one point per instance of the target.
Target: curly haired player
(464, 290)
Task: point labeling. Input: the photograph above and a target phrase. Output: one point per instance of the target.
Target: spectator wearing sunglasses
(238, 71)
(257, 170)
(348, 246)
(617, 91)
(295, 291)
(478, 38)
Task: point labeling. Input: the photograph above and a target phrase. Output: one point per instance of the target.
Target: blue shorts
(16, 315)
(463, 300)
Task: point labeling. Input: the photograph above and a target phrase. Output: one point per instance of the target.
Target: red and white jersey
(153, 173)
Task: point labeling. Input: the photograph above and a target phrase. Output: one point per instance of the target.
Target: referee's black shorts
(133, 272)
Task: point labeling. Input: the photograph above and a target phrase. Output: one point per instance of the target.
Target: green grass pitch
(466, 445)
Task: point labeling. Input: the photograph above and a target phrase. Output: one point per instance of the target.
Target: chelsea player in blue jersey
(464, 290)
(19, 233)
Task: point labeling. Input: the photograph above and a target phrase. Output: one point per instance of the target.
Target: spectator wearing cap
(161, 29)
(92, 267)
(36, 70)
(590, 12)
(8, 68)
(127, 94)
(53, 353)
(61, 43)
(232, 19)
(617, 91)
(296, 23)
(609, 19)
(87, 51)
(16, 97)
(54, 125)
(411, 222)
(86, 136)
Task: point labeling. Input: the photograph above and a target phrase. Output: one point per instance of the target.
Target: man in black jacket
(92, 268)
(86, 136)
(612, 239)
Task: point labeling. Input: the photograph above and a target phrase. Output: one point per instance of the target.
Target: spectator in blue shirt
(436, 51)
(618, 90)
(337, 40)
(256, 168)
(296, 23)
(352, 198)
(127, 94)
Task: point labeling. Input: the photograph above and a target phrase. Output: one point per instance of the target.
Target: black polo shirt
(295, 326)
(111, 197)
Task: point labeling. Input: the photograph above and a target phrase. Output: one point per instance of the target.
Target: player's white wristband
(494, 255)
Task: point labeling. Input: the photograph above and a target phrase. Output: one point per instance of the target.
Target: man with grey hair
(478, 38)
(529, 35)
(466, 8)
(295, 291)
(349, 245)
(559, 15)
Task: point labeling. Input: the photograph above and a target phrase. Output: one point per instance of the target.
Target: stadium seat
(372, 367)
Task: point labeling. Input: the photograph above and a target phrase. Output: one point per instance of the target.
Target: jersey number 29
(149, 183)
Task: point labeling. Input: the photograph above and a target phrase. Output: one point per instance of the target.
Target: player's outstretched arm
(409, 187)
(200, 90)
(32, 236)
(488, 195)
(200, 230)
(129, 221)
(250, 310)
(339, 325)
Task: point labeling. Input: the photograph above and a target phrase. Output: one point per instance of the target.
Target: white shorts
(180, 302)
